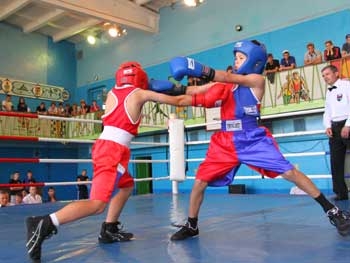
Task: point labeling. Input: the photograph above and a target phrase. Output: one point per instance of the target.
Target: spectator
(74, 110)
(288, 61)
(82, 188)
(22, 106)
(67, 109)
(30, 178)
(345, 50)
(229, 69)
(41, 109)
(312, 55)
(61, 111)
(272, 66)
(51, 195)
(331, 52)
(94, 107)
(19, 199)
(7, 104)
(33, 197)
(52, 110)
(15, 179)
(84, 108)
(4, 199)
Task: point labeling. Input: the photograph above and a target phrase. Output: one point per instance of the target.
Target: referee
(336, 120)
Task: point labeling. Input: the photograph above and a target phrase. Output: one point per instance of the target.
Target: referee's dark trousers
(337, 146)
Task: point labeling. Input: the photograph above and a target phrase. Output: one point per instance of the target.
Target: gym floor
(233, 228)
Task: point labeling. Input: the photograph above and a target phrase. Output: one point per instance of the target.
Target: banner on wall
(32, 90)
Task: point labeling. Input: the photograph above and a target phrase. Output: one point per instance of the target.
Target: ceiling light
(113, 31)
(117, 31)
(91, 40)
(193, 3)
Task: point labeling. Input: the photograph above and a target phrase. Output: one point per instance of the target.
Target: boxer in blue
(240, 140)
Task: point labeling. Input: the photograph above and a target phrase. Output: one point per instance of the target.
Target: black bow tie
(331, 88)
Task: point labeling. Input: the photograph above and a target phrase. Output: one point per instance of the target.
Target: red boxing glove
(214, 96)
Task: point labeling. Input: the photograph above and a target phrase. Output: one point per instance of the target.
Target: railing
(28, 124)
(301, 88)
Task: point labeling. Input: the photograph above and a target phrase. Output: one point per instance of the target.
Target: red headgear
(131, 73)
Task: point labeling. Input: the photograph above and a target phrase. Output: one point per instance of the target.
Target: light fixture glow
(112, 31)
(193, 3)
(117, 31)
(91, 40)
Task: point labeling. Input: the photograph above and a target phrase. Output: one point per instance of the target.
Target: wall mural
(32, 90)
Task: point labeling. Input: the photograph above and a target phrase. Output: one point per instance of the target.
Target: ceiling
(73, 20)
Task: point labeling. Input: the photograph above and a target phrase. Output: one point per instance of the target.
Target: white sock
(54, 219)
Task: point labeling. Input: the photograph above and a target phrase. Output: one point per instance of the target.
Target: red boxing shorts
(228, 150)
(110, 164)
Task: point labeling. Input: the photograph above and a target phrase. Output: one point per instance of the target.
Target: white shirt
(337, 106)
(29, 199)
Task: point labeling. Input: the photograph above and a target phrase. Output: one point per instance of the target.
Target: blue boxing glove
(183, 66)
(166, 87)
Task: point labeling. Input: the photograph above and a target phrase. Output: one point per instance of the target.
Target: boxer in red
(110, 155)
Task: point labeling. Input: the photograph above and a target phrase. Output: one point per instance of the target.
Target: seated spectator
(22, 106)
(7, 104)
(51, 195)
(272, 66)
(312, 55)
(84, 108)
(94, 107)
(331, 52)
(288, 61)
(15, 179)
(83, 192)
(52, 110)
(19, 199)
(345, 50)
(33, 197)
(41, 109)
(4, 198)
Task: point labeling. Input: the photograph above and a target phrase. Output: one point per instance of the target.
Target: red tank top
(119, 117)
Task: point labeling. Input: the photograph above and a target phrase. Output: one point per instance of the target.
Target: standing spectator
(15, 179)
(288, 61)
(312, 55)
(84, 108)
(52, 110)
(51, 195)
(272, 66)
(33, 197)
(4, 199)
(30, 178)
(22, 106)
(83, 192)
(331, 52)
(94, 107)
(345, 50)
(337, 123)
(229, 69)
(41, 109)
(7, 104)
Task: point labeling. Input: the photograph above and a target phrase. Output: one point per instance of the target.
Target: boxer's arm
(214, 97)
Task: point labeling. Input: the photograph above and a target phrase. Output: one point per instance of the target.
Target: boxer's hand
(166, 87)
(183, 66)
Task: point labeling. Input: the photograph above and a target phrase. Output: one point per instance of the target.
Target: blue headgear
(256, 56)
